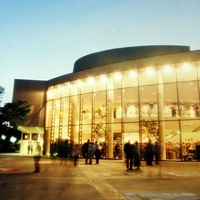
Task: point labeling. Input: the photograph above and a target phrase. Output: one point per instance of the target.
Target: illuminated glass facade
(135, 94)
(157, 102)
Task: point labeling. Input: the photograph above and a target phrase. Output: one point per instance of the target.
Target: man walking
(128, 150)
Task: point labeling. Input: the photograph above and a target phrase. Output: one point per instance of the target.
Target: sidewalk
(108, 180)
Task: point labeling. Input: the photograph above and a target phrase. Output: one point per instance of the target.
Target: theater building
(133, 93)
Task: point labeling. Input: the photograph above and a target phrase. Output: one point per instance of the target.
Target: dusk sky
(41, 39)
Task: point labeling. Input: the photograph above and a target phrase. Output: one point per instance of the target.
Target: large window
(49, 113)
(65, 111)
(99, 106)
(130, 103)
(116, 105)
(170, 109)
(189, 99)
(87, 108)
(148, 100)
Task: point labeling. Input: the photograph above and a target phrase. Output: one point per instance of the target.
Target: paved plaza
(107, 180)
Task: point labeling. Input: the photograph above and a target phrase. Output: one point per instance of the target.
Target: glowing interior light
(118, 76)
(168, 69)
(79, 83)
(91, 81)
(150, 71)
(49, 94)
(186, 67)
(103, 78)
(132, 74)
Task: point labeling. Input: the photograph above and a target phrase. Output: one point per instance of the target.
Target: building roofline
(124, 54)
(135, 63)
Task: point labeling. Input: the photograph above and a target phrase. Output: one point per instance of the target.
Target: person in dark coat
(86, 151)
(149, 153)
(136, 156)
(128, 150)
(97, 152)
(117, 150)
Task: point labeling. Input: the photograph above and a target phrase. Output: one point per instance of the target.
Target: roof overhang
(31, 129)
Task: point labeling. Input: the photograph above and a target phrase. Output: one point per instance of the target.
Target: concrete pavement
(107, 180)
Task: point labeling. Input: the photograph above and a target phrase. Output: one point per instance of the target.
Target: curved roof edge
(124, 54)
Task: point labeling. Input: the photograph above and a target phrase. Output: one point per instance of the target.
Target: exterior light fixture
(186, 67)
(91, 81)
(118, 76)
(168, 69)
(79, 83)
(150, 71)
(49, 94)
(103, 78)
(132, 74)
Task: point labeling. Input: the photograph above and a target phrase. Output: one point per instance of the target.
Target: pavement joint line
(105, 189)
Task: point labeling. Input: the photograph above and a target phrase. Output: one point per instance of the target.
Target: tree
(2, 91)
(150, 130)
(100, 131)
(14, 112)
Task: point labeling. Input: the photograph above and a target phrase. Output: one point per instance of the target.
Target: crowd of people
(134, 154)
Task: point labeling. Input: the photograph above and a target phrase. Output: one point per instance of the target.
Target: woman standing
(149, 153)
(136, 156)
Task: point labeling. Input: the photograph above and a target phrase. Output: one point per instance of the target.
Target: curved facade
(124, 54)
(134, 93)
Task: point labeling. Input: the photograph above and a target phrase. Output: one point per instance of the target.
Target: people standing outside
(149, 153)
(86, 145)
(63, 152)
(90, 152)
(168, 150)
(128, 150)
(29, 147)
(157, 152)
(76, 154)
(177, 150)
(37, 156)
(116, 150)
(136, 156)
(96, 152)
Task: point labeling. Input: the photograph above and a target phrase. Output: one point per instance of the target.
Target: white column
(162, 124)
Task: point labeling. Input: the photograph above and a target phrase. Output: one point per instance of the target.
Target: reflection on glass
(99, 106)
(130, 103)
(148, 96)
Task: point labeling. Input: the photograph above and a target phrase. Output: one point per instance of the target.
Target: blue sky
(41, 39)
